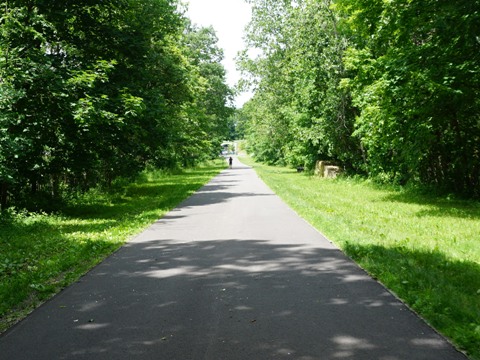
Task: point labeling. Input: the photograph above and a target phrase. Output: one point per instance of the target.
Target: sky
(228, 18)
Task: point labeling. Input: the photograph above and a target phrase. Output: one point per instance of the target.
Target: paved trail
(232, 273)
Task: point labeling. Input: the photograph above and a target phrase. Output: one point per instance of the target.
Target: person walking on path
(230, 162)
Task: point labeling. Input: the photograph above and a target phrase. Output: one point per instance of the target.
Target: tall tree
(91, 90)
(389, 88)
(414, 77)
(213, 101)
(301, 69)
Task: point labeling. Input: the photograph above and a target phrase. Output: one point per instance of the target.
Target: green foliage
(415, 81)
(387, 88)
(299, 102)
(213, 101)
(422, 247)
(94, 90)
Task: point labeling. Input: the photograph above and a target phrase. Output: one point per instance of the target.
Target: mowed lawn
(42, 253)
(424, 248)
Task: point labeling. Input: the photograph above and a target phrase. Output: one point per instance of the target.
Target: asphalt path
(231, 273)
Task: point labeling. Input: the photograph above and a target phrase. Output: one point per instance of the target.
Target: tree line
(95, 90)
(388, 89)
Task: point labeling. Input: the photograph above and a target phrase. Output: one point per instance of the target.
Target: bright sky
(228, 18)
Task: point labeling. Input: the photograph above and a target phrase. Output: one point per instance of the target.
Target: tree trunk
(3, 195)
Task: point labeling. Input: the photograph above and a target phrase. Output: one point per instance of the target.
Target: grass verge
(40, 254)
(426, 249)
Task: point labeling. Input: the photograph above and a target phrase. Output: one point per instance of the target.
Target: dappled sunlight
(376, 303)
(225, 276)
(432, 342)
(354, 277)
(162, 274)
(89, 306)
(92, 326)
(350, 343)
(252, 298)
(338, 302)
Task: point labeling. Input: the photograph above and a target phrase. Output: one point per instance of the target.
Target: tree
(213, 102)
(301, 70)
(387, 88)
(414, 80)
(92, 90)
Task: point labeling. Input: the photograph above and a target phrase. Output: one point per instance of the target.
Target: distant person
(230, 162)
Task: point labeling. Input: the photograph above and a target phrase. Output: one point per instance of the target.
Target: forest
(91, 91)
(385, 88)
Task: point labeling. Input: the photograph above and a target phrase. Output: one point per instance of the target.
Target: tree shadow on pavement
(228, 299)
(443, 289)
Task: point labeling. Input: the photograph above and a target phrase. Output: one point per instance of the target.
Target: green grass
(40, 254)
(426, 249)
